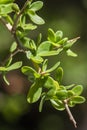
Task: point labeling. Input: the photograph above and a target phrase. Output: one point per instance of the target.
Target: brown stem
(18, 16)
(69, 113)
(11, 55)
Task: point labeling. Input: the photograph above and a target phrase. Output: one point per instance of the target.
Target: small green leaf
(44, 47)
(34, 92)
(14, 66)
(8, 62)
(59, 35)
(50, 83)
(62, 94)
(13, 47)
(3, 69)
(51, 35)
(51, 92)
(30, 71)
(44, 65)
(6, 1)
(29, 26)
(61, 42)
(69, 86)
(53, 68)
(35, 18)
(71, 104)
(37, 59)
(41, 103)
(39, 39)
(6, 8)
(70, 93)
(59, 74)
(71, 53)
(15, 7)
(78, 99)
(78, 89)
(69, 43)
(57, 104)
(9, 19)
(35, 6)
(5, 79)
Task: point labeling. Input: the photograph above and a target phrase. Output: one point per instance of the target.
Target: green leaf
(71, 53)
(35, 18)
(5, 79)
(53, 68)
(69, 86)
(6, 8)
(59, 35)
(28, 26)
(35, 6)
(78, 99)
(29, 71)
(69, 43)
(63, 41)
(57, 104)
(14, 66)
(28, 43)
(13, 47)
(44, 65)
(41, 103)
(16, 8)
(8, 62)
(71, 104)
(9, 19)
(51, 83)
(50, 53)
(6, 1)
(70, 94)
(34, 92)
(39, 39)
(24, 25)
(51, 92)
(62, 94)
(3, 69)
(51, 35)
(59, 74)
(44, 47)
(78, 89)
(37, 59)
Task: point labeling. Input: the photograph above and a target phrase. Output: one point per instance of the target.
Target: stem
(69, 113)
(11, 55)
(18, 16)
(12, 30)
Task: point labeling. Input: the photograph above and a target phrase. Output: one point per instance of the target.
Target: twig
(69, 113)
(18, 16)
(11, 55)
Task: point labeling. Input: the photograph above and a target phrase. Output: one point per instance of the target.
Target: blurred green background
(70, 16)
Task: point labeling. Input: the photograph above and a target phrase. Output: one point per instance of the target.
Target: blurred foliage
(70, 16)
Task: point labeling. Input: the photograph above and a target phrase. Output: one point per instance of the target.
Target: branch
(11, 55)
(69, 113)
(18, 16)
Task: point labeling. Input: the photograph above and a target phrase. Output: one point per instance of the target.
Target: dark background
(70, 16)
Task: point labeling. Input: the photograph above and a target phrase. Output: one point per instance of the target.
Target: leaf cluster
(44, 86)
